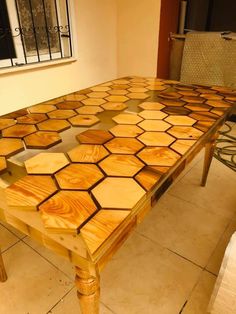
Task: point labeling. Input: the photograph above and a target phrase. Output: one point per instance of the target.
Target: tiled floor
(168, 265)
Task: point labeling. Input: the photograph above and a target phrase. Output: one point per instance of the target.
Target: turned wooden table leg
(3, 274)
(209, 151)
(88, 291)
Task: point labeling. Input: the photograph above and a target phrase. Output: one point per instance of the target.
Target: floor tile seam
(48, 259)
(60, 300)
(12, 231)
(106, 306)
(166, 248)
(200, 206)
(11, 246)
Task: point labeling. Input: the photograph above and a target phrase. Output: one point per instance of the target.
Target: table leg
(88, 287)
(209, 151)
(3, 275)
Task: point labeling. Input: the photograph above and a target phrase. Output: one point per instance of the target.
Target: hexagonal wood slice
(66, 211)
(218, 103)
(42, 139)
(204, 116)
(42, 108)
(89, 110)
(54, 125)
(94, 137)
(30, 191)
(148, 178)
(138, 95)
(176, 111)
(19, 130)
(101, 226)
(185, 132)
(148, 105)
(156, 139)
(3, 165)
(127, 118)
(154, 125)
(204, 126)
(78, 176)
(46, 163)
(180, 120)
(116, 106)
(69, 105)
(119, 193)
(122, 130)
(121, 165)
(182, 146)
(124, 145)
(5, 123)
(32, 118)
(88, 153)
(159, 156)
(173, 103)
(10, 147)
(61, 114)
(84, 120)
(118, 92)
(152, 114)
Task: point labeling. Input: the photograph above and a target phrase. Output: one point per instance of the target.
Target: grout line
(11, 246)
(48, 259)
(60, 300)
(107, 307)
(185, 303)
(12, 231)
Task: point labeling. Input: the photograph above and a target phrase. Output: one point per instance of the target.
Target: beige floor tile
(7, 239)
(145, 278)
(70, 305)
(57, 260)
(200, 297)
(184, 228)
(16, 232)
(215, 261)
(218, 195)
(33, 284)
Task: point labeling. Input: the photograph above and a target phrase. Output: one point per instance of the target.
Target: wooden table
(111, 152)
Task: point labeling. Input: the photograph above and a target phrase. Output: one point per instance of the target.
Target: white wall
(138, 30)
(96, 23)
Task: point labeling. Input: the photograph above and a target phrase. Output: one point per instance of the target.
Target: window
(33, 31)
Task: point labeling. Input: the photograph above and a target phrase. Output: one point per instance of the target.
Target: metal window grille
(33, 31)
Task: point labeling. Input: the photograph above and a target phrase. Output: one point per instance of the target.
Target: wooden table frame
(88, 267)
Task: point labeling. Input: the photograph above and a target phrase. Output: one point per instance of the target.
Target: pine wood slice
(42, 139)
(15, 114)
(10, 147)
(100, 89)
(78, 176)
(120, 81)
(204, 126)
(180, 120)
(124, 146)
(32, 118)
(28, 192)
(89, 110)
(97, 95)
(69, 105)
(84, 120)
(88, 153)
(148, 105)
(138, 95)
(5, 123)
(46, 163)
(54, 125)
(121, 165)
(152, 114)
(219, 103)
(173, 103)
(156, 139)
(157, 87)
(126, 130)
(66, 211)
(204, 116)
(154, 125)
(193, 99)
(119, 193)
(74, 97)
(3, 165)
(211, 96)
(93, 101)
(118, 92)
(120, 86)
(126, 118)
(101, 226)
(182, 146)
(185, 132)
(61, 114)
(176, 111)
(94, 137)
(19, 130)
(158, 156)
(198, 107)
(138, 90)
(42, 108)
(188, 93)
(116, 106)
(148, 178)
(117, 98)
(170, 95)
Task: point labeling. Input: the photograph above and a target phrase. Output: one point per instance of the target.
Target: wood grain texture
(10, 147)
(120, 193)
(94, 137)
(84, 120)
(173, 103)
(118, 92)
(5, 123)
(116, 106)
(204, 116)
(61, 114)
(156, 139)
(154, 125)
(148, 178)
(121, 165)
(66, 211)
(180, 120)
(101, 226)
(78, 176)
(170, 95)
(93, 101)
(97, 94)
(3, 165)
(185, 132)
(69, 105)
(88, 153)
(218, 103)
(198, 107)
(89, 110)
(74, 97)
(19, 130)
(182, 146)
(203, 126)
(159, 156)
(32, 118)
(149, 105)
(42, 139)
(124, 145)
(117, 98)
(152, 114)
(193, 99)
(46, 163)
(138, 95)
(123, 130)
(54, 125)
(176, 110)
(42, 108)
(28, 192)
(127, 118)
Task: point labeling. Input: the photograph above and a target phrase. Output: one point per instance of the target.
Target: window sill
(35, 66)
